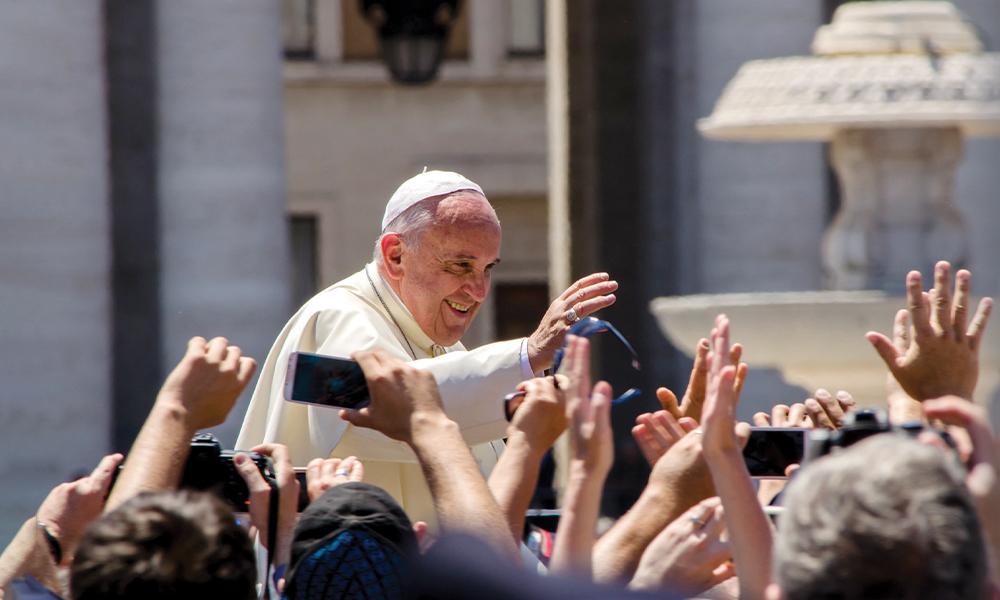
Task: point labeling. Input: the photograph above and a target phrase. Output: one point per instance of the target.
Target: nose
(478, 286)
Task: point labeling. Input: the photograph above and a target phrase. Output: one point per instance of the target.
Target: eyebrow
(461, 257)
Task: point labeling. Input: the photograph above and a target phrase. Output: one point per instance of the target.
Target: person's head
(165, 545)
(354, 541)
(888, 517)
(437, 251)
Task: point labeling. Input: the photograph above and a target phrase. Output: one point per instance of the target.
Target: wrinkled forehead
(464, 207)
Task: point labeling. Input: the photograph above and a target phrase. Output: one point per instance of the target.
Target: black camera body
(857, 426)
(210, 468)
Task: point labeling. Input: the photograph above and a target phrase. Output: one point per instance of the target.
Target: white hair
(887, 518)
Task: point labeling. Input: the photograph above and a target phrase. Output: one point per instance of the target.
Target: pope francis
(439, 244)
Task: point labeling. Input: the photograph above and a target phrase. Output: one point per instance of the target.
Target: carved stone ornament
(878, 65)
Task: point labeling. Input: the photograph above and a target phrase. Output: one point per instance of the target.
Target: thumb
(357, 417)
(742, 431)
(249, 472)
(668, 400)
(885, 348)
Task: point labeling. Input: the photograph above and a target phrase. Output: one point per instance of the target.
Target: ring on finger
(341, 473)
(571, 316)
(697, 521)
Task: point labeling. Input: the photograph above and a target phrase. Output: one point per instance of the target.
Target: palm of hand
(939, 366)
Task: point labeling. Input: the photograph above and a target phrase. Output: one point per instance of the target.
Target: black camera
(210, 468)
(857, 426)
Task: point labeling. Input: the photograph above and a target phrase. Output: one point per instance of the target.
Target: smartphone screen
(326, 381)
(772, 449)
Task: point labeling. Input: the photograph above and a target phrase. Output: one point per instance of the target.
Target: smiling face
(443, 275)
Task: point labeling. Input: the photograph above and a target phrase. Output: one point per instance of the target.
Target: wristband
(55, 548)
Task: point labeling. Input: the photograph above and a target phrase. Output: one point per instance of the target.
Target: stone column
(54, 251)
(224, 246)
(897, 212)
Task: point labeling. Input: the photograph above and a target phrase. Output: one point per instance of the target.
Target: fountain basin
(814, 339)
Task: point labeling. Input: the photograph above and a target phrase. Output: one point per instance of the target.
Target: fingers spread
(978, 325)
(901, 331)
(941, 298)
(960, 310)
(915, 304)
(581, 283)
(886, 350)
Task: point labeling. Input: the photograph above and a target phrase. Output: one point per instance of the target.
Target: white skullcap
(423, 186)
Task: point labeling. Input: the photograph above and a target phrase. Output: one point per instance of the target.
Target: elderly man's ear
(392, 255)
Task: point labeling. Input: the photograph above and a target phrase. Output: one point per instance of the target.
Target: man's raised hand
(694, 397)
(936, 355)
(207, 381)
(585, 297)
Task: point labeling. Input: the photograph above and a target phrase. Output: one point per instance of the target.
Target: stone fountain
(894, 87)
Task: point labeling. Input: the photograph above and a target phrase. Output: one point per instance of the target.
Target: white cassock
(349, 316)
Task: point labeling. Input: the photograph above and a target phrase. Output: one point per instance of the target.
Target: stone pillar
(224, 240)
(897, 212)
(54, 251)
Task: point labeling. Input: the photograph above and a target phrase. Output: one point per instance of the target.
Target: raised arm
(749, 530)
(405, 406)
(48, 540)
(198, 393)
(536, 425)
(591, 454)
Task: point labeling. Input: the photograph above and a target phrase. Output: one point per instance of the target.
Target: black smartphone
(772, 449)
(326, 381)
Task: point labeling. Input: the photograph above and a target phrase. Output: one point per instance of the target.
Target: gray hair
(412, 222)
(887, 518)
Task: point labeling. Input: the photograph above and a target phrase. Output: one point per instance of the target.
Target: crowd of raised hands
(899, 518)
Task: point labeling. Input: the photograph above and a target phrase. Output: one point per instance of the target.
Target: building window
(526, 35)
(518, 307)
(361, 40)
(298, 28)
(305, 265)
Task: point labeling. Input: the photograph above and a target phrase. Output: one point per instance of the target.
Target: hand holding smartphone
(771, 450)
(325, 381)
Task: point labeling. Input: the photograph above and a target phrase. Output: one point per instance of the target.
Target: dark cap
(359, 522)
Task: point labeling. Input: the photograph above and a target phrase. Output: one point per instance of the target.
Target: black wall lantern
(412, 34)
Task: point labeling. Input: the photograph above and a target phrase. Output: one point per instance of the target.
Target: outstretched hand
(657, 432)
(585, 297)
(694, 397)
(591, 439)
(719, 413)
(689, 556)
(936, 355)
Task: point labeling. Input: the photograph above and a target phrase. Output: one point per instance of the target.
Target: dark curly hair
(165, 545)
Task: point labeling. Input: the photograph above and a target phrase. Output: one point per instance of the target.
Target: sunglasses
(585, 327)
